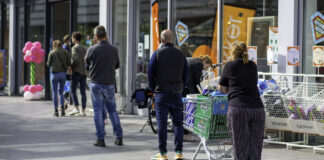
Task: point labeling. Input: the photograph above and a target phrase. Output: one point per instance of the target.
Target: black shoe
(100, 143)
(56, 113)
(119, 141)
(65, 106)
(62, 111)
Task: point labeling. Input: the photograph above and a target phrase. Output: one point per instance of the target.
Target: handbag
(68, 71)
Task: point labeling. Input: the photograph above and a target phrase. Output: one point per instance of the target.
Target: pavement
(28, 131)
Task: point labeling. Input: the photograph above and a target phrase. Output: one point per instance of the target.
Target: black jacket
(101, 61)
(168, 70)
(195, 73)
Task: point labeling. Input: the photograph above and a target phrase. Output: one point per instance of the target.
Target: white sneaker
(83, 113)
(75, 112)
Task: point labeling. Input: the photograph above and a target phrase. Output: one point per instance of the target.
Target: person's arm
(152, 71)
(74, 57)
(50, 60)
(185, 75)
(117, 60)
(87, 60)
(224, 81)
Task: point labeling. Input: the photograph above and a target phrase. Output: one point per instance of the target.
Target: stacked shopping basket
(206, 117)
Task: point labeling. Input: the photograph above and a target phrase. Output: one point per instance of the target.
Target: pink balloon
(26, 88)
(25, 50)
(27, 58)
(28, 45)
(42, 52)
(33, 58)
(34, 51)
(39, 60)
(32, 88)
(37, 45)
(39, 88)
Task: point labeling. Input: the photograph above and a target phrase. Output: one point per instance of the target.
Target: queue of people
(171, 76)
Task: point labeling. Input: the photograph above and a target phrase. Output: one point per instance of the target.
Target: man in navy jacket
(168, 75)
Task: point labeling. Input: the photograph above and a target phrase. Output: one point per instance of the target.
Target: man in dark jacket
(101, 61)
(167, 75)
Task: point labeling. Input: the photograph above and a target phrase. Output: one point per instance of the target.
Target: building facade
(262, 23)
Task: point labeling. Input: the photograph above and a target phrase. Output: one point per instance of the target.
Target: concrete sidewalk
(29, 131)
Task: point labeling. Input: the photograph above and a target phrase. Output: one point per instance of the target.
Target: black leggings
(247, 131)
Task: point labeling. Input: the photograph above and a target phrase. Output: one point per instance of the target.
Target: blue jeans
(166, 103)
(78, 78)
(58, 81)
(104, 96)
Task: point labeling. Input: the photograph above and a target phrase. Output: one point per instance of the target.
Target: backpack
(141, 96)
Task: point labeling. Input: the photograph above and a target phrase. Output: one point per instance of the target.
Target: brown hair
(239, 50)
(100, 32)
(66, 38)
(205, 59)
(57, 44)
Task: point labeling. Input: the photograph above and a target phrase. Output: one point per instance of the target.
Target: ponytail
(240, 51)
(245, 58)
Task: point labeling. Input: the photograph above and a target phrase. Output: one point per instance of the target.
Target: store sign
(293, 56)
(182, 32)
(317, 25)
(318, 56)
(270, 55)
(252, 51)
(273, 42)
(2, 68)
(140, 49)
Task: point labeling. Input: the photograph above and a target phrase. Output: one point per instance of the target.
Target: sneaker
(62, 111)
(106, 122)
(119, 141)
(75, 112)
(100, 143)
(160, 156)
(83, 113)
(178, 155)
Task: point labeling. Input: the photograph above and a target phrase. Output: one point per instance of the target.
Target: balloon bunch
(33, 92)
(33, 52)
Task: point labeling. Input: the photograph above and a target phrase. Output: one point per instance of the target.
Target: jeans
(166, 103)
(58, 81)
(104, 96)
(78, 78)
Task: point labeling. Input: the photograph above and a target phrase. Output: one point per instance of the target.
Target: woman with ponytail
(245, 116)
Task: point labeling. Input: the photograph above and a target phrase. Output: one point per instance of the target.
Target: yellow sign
(155, 26)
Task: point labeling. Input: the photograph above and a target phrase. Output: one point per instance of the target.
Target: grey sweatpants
(246, 126)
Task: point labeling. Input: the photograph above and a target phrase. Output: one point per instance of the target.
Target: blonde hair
(205, 59)
(57, 44)
(239, 50)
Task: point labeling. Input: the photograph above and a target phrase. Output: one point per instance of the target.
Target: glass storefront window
(120, 41)
(87, 19)
(143, 38)
(36, 32)
(254, 22)
(310, 9)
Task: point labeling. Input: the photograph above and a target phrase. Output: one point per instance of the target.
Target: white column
(288, 32)
(105, 16)
(131, 56)
(12, 52)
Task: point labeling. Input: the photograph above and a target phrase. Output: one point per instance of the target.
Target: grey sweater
(101, 61)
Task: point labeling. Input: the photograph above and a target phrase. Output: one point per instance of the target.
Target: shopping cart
(206, 117)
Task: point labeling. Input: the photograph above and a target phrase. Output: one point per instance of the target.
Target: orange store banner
(155, 25)
(234, 30)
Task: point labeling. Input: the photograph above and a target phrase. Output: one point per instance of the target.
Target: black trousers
(246, 126)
